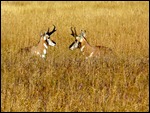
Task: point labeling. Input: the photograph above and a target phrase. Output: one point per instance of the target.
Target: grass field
(65, 81)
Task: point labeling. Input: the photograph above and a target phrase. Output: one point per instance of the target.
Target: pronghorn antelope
(42, 46)
(88, 50)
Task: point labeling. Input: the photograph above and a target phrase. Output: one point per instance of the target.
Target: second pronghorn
(42, 46)
(88, 50)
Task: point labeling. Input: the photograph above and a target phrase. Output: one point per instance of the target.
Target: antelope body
(41, 48)
(88, 50)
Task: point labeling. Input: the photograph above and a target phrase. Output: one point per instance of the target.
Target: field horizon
(65, 80)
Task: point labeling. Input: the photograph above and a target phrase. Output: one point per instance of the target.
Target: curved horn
(74, 33)
(48, 30)
(54, 29)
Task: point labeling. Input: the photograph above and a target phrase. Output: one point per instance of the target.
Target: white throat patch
(81, 39)
(82, 48)
(44, 51)
(44, 37)
(50, 42)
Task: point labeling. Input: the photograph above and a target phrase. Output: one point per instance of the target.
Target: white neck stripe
(82, 48)
(91, 54)
(44, 37)
(45, 46)
(44, 51)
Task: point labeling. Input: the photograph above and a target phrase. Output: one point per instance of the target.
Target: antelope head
(45, 41)
(78, 39)
(46, 37)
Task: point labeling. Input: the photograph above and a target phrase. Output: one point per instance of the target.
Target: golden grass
(65, 81)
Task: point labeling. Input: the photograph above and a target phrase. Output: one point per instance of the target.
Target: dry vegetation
(65, 81)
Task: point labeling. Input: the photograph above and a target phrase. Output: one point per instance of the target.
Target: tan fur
(35, 49)
(94, 51)
(88, 50)
(39, 48)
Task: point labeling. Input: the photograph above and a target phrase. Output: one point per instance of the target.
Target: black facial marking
(46, 42)
(71, 45)
(53, 42)
(79, 45)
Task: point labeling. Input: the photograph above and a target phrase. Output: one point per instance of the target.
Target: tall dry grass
(65, 81)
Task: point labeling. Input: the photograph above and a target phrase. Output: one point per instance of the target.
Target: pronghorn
(42, 46)
(88, 50)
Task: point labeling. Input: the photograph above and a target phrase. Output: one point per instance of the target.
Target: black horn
(74, 33)
(49, 33)
(48, 30)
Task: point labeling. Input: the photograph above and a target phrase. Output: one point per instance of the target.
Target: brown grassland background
(65, 81)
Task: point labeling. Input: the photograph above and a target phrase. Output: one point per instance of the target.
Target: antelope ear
(83, 33)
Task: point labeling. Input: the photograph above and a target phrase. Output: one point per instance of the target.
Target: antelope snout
(51, 42)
